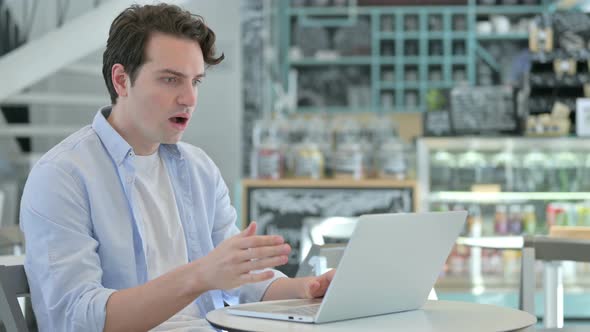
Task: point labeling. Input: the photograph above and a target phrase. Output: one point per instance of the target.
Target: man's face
(162, 99)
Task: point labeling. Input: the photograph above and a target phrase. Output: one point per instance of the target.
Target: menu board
(282, 210)
(437, 123)
(489, 109)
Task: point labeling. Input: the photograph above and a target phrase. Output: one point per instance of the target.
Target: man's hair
(131, 30)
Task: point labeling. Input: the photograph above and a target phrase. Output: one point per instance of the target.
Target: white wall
(216, 126)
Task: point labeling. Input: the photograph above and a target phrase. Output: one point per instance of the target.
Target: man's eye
(170, 79)
(196, 82)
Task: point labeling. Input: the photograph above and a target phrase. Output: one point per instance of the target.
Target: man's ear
(120, 81)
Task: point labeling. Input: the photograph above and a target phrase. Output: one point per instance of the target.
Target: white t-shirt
(163, 234)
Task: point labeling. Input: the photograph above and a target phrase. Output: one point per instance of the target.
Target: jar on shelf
(346, 130)
(267, 155)
(347, 161)
(442, 171)
(317, 135)
(565, 173)
(502, 170)
(471, 167)
(309, 161)
(266, 161)
(532, 172)
(392, 160)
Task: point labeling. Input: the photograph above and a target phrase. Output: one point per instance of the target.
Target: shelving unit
(412, 48)
(505, 197)
(500, 280)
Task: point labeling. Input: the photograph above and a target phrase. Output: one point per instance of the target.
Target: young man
(126, 228)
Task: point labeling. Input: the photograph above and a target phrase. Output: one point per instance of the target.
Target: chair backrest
(13, 284)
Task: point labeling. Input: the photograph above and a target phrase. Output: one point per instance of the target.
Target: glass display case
(511, 187)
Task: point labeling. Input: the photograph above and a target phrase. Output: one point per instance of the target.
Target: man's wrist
(196, 282)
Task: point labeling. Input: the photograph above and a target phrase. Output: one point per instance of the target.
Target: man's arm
(144, 307)
(228, 266)
(65, 271)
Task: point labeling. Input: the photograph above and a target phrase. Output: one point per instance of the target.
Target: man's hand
(317, 286)
(297, 288)
(233, 262)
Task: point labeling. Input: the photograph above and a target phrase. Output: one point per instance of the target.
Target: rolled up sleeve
(62, 263)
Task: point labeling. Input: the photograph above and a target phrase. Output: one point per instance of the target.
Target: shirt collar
(115, 144)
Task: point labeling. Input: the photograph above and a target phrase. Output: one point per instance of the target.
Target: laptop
(390, 265)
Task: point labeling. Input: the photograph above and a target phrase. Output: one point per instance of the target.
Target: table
(435, 316)
(551, 250)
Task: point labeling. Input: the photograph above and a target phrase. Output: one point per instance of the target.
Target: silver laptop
(389, 265)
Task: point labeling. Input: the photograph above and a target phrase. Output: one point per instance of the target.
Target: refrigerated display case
(512, 187)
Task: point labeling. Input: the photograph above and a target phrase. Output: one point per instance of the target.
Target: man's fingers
(260, 241)
(249, 231)
(263, 263)
(263, 252)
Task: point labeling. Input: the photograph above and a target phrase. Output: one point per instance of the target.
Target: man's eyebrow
(177, 73)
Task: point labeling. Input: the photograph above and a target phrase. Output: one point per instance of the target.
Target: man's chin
(172, 140)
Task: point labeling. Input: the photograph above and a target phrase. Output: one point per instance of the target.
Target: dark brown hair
(131, 30)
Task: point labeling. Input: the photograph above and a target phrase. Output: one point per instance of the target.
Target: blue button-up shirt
(83, 230)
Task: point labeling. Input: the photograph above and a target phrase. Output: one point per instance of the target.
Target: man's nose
(188, 96)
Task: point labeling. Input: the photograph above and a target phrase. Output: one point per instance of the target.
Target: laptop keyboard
(307, 310)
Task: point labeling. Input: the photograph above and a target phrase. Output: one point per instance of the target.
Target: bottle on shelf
(529, 219)
(475, 221)
(501, 220)
(515, 220)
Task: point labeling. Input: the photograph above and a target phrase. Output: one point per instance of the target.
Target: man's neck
(130, 133)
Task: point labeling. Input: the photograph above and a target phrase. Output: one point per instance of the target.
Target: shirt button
(129, 179)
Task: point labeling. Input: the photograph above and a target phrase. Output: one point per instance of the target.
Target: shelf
(504, 36)
(462, 282)
(545, 57)
(508, 10)
(378, 10)
(339, 61)
(394, 42)
(422, 35)
(415, 60)
(493, 242)
(498, 283)
(487, 197)
(506, 143)
(329, 183)
(345, 109)
(332, 109)
(417, 85)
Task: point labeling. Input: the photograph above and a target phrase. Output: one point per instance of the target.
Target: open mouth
(179, 120)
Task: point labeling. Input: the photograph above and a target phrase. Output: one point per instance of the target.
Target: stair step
(36, 130)
(59, 99)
